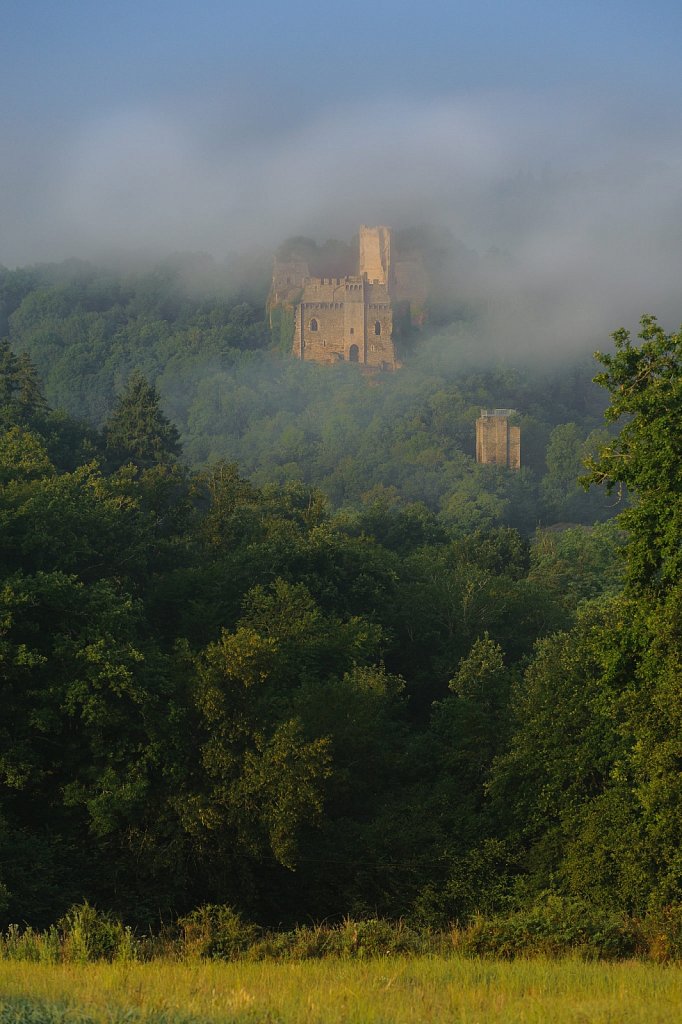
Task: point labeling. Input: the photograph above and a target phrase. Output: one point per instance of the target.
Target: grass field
(384, 991)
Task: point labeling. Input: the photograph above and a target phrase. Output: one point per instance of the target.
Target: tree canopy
(219, 690)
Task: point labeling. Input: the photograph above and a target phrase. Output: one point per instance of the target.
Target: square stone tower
(497, 441)
(375, 254)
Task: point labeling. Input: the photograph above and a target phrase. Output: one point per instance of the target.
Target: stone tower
(497, 441)
(342, 319)
(375, 254)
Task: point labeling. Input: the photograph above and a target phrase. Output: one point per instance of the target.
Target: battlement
(326, 289)
(498, 412)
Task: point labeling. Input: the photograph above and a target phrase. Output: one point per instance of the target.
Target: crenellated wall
(345, 320)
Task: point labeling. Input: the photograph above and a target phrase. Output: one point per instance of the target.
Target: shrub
(216, 932)
(375, 937)
(43, 947)
(662, 933)
(552, 925)
(88, 934)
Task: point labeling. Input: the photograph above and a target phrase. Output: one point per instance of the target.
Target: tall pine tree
(137, 430)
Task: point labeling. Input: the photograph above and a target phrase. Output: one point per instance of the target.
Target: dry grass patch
(396, 990)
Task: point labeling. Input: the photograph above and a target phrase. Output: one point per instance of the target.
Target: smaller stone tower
(497, 441)
(375, 254)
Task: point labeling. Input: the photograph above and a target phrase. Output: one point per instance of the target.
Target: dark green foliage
(580, 562)
(562, 496)
(645, 383)
(225, 694)
(589, 790)
(197, 333)
(137, 430)
(555, 926)
(204, 683)
(21, 398)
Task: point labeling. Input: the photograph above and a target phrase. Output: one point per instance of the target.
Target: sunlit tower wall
(498, 442)
(345, 319)
(375, 254)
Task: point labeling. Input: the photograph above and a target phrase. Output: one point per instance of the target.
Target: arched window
(313, 324)
(377, 327)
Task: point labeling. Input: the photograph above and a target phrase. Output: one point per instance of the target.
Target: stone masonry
(342, 319)
(345, 319)
(497, 441)
(375, 254)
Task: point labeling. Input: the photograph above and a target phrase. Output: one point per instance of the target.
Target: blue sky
(74, 59)
(551, 130)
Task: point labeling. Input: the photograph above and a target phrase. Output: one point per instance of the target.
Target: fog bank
(580, 204)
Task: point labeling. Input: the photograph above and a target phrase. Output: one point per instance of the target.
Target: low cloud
(582, 202)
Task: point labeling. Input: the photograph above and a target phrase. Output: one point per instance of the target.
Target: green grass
(393, 990)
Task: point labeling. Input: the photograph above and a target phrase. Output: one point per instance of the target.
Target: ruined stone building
(497, 440)
(349, 318)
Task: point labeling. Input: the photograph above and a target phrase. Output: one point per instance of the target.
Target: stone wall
(287, 278)
(345, 320)
(514, 447)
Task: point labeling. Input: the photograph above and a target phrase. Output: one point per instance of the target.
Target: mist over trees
(348, 674)
(200, 337)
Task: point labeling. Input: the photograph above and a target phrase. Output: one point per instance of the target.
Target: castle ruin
(349, 318)
(498, 442)
(342, 319)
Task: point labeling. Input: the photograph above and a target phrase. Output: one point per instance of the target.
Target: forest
(271, 639)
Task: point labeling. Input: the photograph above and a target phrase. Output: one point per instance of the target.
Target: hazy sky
(550, 129)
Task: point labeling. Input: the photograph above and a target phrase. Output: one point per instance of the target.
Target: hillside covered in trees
(198, 333)
(348, 675)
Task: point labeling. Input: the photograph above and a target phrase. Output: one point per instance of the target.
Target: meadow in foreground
(392, 989)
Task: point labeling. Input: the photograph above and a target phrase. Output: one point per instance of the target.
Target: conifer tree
(21, 396)
(137, 429)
